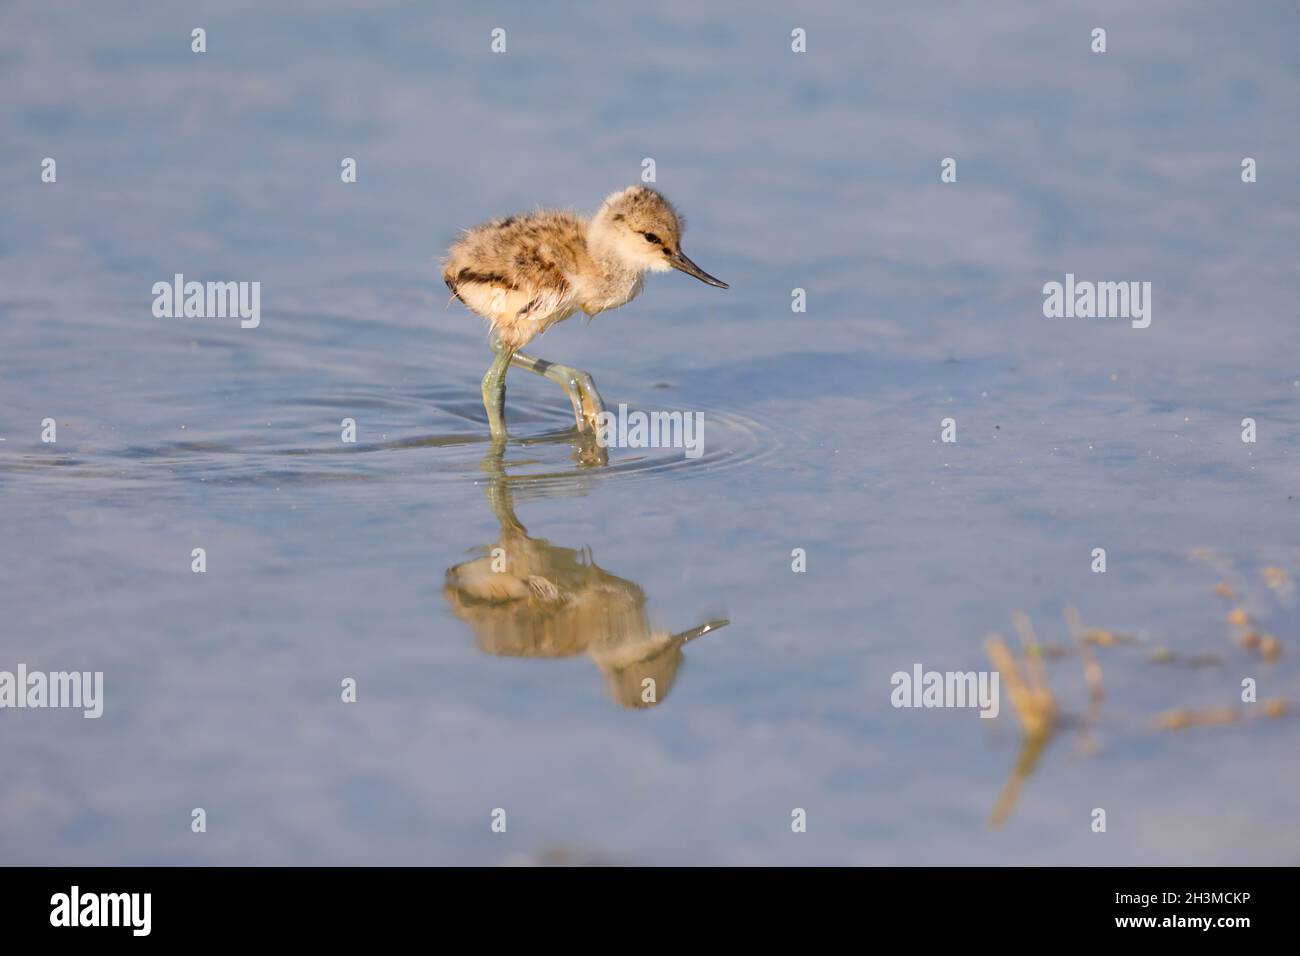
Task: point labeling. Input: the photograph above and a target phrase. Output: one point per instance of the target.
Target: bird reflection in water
(525, 597)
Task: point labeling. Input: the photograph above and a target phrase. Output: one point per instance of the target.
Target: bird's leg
(566, 382)
(592, 404)
(577, 384)
(494, 392)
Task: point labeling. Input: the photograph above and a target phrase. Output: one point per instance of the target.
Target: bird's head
(643, 231)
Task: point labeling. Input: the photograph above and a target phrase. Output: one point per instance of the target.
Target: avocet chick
(526, 273)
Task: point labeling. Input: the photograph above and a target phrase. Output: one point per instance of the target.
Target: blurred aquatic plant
(1034, 705)
(1039, 712)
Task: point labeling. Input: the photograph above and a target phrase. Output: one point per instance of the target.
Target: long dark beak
(693, 633)
(679, 262)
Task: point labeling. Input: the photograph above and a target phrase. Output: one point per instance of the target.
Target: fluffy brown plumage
(516, 272)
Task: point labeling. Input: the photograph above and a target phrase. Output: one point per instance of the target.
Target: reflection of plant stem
(1092, 677)
(1030, 751)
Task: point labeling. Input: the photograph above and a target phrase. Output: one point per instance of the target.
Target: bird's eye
(651, 237)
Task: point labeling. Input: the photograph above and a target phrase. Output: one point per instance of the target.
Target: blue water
(817, 171)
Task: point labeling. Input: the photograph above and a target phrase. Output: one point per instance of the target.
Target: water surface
(817, 171)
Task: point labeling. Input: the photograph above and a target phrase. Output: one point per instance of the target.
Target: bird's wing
(516, 269)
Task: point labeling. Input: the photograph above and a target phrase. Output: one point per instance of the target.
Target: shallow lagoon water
(817, 171)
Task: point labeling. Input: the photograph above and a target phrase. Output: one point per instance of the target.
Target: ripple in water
(546, 455)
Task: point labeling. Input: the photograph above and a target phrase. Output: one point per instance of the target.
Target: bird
(525, 273)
